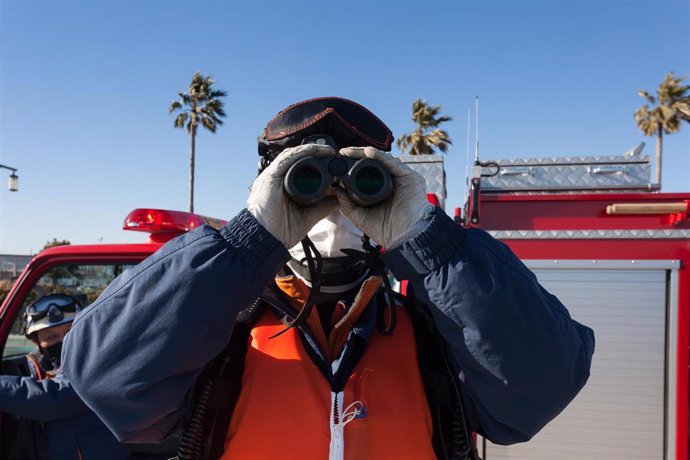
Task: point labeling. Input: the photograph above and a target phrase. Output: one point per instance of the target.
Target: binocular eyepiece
(366, 181)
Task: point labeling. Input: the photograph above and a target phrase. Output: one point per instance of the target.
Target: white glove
(392, 221)
(270, 205)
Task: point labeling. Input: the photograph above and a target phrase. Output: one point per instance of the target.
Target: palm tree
(673, 107)
(424, 139)
(201, 104)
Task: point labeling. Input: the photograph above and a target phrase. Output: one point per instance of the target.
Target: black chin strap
(372, 257)
(315, 265)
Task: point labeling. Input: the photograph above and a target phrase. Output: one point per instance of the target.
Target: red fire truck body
(620, 261)
(66, 256)
(599, 236)
(83, 271)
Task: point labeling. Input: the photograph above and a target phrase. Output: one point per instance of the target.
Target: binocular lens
(369, 180)
(307, 179)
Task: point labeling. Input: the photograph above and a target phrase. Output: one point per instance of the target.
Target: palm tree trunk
(192, 136)
(659, 142)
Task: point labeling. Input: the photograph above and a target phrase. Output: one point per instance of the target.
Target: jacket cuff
(254, 243)
(431, 248)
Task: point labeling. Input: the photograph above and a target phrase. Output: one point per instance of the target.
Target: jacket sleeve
(42, 401)
(134, 355)
(518, 355)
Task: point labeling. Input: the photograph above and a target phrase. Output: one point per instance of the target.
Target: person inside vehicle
(279, 336)
(59, 425)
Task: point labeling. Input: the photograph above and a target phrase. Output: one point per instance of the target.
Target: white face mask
(330, 235)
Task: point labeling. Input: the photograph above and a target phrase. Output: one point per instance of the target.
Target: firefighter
(278, 336)
(58, 424)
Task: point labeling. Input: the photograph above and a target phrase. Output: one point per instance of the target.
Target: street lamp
(13, 180)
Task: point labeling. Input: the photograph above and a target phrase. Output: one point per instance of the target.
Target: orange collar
(297, 292)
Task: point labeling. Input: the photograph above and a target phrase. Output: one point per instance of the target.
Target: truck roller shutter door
(620, 413)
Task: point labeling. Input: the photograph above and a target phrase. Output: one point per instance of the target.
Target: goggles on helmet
(348, 123)
(51, 310)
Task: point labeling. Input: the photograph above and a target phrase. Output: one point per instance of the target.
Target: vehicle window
(85, 282)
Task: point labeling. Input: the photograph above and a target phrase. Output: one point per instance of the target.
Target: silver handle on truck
(525, 171)
(607, 169)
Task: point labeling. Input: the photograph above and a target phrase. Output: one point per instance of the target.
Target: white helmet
(49, 311)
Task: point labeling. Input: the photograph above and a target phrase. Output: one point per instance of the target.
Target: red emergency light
(433, 199)
(163, 225)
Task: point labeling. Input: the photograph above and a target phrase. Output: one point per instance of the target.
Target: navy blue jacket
(62, 426)
(134, 354)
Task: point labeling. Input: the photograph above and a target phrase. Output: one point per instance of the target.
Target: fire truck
(616, 252)
(595, 231)
(82, 271)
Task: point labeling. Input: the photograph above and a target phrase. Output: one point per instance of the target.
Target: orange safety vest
(288, 410)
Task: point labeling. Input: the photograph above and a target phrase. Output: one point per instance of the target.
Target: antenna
(467, 157)
(476, 133)
(473, 202)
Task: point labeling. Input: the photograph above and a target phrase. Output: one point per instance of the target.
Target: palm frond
(180, 120)
(425, 139)
(204, 104)
(217, 94)
(208, 124)
(672, 107)
(647, 96)
(683, 108)
(185, 98)
(174, 105)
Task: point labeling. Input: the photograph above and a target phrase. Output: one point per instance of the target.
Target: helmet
(49, 311)
(346, 122)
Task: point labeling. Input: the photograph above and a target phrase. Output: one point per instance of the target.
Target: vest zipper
(337, 446)
(339, 418)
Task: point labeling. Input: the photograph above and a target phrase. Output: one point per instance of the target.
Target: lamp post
(13, 180)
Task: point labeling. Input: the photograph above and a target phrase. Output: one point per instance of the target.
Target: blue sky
(85, 87)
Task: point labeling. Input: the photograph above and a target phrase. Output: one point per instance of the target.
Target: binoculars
(365, 180)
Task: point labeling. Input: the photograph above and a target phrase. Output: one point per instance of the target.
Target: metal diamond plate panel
(630, 172)
(431, 168)
(589, 234)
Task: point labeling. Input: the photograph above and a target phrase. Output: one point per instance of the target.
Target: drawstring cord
(351, 412)
(372, 257)
(315, 265)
